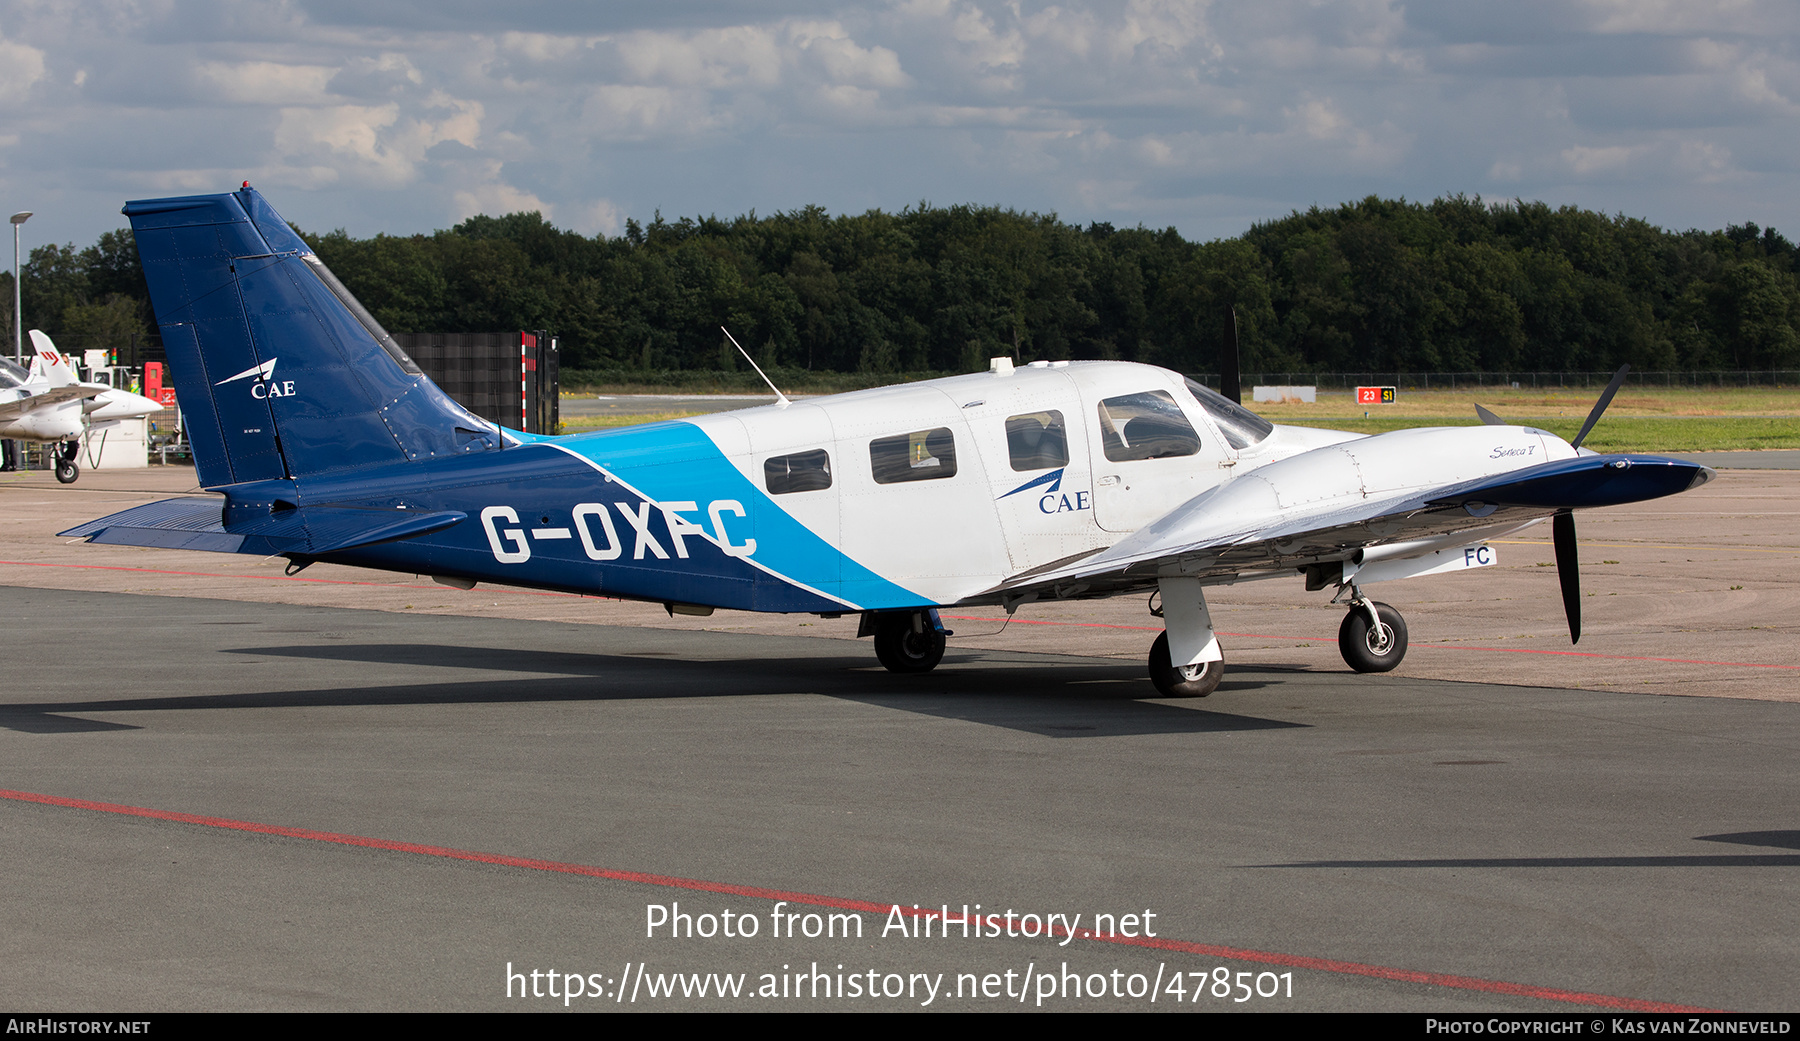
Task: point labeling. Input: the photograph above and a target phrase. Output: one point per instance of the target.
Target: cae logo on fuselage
(1054, 501)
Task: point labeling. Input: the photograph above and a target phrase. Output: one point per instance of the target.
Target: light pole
(18, 319)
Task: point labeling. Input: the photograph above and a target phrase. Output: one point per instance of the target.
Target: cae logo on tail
(262, 388)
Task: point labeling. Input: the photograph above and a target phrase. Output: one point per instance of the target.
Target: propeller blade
(1612, 388)
(1489, 418)
(1231, 382)
(1568, 570)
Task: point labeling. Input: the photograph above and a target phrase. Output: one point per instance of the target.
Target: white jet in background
(47, 404)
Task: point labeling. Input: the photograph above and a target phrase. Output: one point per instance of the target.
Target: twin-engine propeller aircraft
(1047, 481)
(48, 404)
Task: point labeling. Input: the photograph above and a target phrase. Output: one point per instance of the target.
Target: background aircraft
(1052, 480)
(48, 404)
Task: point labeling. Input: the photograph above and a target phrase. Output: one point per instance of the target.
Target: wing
(1244, 527)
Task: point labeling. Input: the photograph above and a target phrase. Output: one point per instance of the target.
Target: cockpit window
(1241, 427)
(1145, 426)
(1037, 441)
(11, 375)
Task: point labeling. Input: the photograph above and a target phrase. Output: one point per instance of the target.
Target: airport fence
(1769, 378)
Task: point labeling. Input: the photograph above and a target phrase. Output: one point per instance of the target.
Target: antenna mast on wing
(779, 396)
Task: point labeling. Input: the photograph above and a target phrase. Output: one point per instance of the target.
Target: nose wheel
(65, 453)
(1372, 637)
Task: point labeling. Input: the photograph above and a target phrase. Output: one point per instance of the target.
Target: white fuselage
(1003, 511)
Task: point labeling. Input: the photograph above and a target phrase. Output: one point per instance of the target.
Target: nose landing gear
(66, 454)
(1372, 637)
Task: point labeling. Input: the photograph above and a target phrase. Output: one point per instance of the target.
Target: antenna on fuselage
(779, 396)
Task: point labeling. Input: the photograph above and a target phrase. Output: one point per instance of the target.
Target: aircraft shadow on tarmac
(1775, 839)
(1071, 698)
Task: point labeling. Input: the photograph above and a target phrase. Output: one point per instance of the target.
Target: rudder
(279, 371)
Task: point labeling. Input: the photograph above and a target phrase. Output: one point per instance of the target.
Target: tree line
(1456, 284)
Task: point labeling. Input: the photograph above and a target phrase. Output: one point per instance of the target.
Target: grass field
(1639, 419)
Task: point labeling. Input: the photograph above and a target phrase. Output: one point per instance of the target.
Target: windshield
(11, 375)
(1241, 427)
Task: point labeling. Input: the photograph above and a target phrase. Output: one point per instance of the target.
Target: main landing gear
(906, 641)
(1187, 638)
(1182, 681)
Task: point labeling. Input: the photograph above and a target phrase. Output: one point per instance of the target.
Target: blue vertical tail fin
(280, 373)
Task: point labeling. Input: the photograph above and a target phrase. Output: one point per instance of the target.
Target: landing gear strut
(907, 641)
(1372, 637)
(66, 454)
(1188, 638)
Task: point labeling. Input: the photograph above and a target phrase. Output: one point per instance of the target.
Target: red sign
(1376, 395)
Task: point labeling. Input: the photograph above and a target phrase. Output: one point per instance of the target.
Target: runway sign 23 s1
(1376, 395)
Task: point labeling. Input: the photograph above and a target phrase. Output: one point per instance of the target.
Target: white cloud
(1586, 161)
(378, 143)
(497, 198)
(1162, 111)
(600, 217)
(21, 66)
(265, 82)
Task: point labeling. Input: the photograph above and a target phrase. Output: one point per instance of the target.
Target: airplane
(1047, 481)
(47, 404)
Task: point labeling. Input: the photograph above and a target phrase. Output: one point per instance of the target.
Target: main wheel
(66, 471)
(1182, 681)
(903, 650)
(1367, 648)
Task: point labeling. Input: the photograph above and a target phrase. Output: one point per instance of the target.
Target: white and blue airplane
(47, 404)
(1047, 481)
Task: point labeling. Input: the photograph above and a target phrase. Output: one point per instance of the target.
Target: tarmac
(226, 788)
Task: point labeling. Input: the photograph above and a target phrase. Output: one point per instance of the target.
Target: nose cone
(122, 404)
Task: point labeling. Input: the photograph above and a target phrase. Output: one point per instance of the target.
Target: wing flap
(198, 523)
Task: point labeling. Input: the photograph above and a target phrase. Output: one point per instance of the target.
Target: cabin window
(800, 472)
(923, 455)
(1037, 441)
(1241, 427)
(1145, 426)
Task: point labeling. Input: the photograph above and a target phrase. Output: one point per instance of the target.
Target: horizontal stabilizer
(310, 531)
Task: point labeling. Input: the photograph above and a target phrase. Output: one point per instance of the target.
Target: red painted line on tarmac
(1613, 657)
(953, 617)
(269, 578)
(1078, 625)
(1347, 968)
(1416, 646)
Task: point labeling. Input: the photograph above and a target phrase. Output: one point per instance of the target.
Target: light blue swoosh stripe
(676, 461)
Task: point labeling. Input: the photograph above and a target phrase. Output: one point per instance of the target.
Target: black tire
(1190, 681)
(66, 472)
(903, 650)
(1366, 650)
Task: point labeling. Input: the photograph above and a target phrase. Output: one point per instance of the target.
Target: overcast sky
(404, 116)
